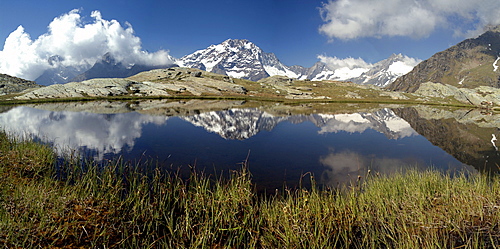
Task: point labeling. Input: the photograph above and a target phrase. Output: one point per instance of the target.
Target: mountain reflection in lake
(336, 148)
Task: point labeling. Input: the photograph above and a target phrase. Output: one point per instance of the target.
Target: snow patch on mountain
(495, 67)
(340, 69)
(272, 71)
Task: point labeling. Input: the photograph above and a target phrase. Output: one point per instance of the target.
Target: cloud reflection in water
(102, 133)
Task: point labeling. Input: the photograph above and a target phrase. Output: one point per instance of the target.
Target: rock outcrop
(165, 83)
(10, 84)
(482, 96)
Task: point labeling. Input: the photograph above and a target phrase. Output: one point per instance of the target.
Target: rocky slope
(195, 82)
(469, 64)
(483, 96)
(10, 84)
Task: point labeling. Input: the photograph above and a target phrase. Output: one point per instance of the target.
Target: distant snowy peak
(106, 67)
(387, 71)
(358, 71)
(60, 74)
(237, 58)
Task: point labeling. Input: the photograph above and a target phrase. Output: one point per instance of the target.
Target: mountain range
(237, 58)
(243, 59)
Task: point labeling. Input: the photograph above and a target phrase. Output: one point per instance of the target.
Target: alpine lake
(281, 145)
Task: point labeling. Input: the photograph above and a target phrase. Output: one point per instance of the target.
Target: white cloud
(404, 66)
(77, 43)
(336, 63)
(345, 68)
(350, 19)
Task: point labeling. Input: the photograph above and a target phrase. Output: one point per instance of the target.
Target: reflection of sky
(336, 147)
(103, 133)
(344, 167)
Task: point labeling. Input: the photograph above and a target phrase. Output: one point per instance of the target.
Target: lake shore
(119, 205)
(188, 83)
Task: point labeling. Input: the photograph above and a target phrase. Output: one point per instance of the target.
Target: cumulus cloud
(345, 68)
(77, 43)
(350, 19)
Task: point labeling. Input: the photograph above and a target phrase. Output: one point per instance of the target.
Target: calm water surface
(336, 148)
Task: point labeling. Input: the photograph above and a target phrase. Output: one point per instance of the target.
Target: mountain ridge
(469, 64)
(109, 67)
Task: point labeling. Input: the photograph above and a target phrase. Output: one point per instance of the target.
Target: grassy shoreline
(119, 205)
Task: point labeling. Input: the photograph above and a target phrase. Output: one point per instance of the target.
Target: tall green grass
(128, 206)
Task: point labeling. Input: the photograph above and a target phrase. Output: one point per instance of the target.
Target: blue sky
(297, 31)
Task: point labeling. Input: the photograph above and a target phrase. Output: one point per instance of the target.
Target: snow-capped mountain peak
(237, 58)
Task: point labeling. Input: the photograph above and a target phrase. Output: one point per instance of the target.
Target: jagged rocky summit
(238, 59)
(59, 74)
(385, 72)
(469, 64)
